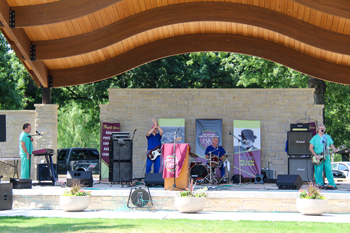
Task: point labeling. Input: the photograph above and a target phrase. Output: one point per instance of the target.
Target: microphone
(230, 133)
(38, 133)
(133, 134)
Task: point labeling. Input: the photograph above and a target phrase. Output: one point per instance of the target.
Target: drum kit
(206, 173)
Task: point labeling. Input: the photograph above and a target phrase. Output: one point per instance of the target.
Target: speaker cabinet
(120, 150)
(299, 142)
(2, 128)
(21, 183)
(154, 179)
(43, 172)
(289, 182)
(120, 171)
(5, 196)
(299, 127)
(302, 167)
(83, 178)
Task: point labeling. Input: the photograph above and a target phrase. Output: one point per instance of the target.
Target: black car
(78, 159)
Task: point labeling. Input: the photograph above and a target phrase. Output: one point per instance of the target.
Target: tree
(79, 110)
(77, 127)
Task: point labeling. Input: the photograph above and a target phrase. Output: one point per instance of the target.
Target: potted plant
(191, 201)
(311, 202)
(75, 199)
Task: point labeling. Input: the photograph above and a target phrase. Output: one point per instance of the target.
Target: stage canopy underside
(71, 42)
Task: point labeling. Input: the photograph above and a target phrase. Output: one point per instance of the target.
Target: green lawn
(48, 225)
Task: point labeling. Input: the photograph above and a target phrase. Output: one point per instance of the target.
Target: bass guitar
(316, 161)
(153, 154)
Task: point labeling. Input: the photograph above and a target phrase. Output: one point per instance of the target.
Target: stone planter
(312, 206)
(189, 204)
(74, 203)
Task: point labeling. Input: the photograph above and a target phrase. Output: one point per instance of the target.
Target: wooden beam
(202, 42)
(193, 12)
(22, 41)
(56, 12)
(339, 8)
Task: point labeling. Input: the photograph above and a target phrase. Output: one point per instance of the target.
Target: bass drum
(199, 171)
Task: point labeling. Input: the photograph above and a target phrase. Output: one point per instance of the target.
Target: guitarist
(318, 146)
(154, 137)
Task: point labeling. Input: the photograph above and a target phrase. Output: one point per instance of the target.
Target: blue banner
(206, 129)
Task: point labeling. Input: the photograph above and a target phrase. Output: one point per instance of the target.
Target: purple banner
(248, 162)
(106, 131)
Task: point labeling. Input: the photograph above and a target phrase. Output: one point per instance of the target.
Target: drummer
(219, 151)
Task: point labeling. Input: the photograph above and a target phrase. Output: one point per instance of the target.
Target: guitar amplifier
(300, 127)
(298, 143)
(120, 135)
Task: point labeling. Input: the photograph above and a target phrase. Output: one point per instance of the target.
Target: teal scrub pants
(25, 167)
(326, 164)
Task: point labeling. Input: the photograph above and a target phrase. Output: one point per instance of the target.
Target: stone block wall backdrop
(275, 108)
(42, 119)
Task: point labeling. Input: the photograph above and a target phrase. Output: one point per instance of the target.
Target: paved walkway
(236, 216)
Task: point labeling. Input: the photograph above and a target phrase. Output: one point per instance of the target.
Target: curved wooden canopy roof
(71, 42)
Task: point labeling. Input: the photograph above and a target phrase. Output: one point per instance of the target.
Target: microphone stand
(211, 173)
(239, 157)
(175, 165)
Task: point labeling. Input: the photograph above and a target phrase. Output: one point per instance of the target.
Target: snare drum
(214, 161)
(193, 163)
(199, 171)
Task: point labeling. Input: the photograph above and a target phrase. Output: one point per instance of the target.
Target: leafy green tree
(79, 112)
(11, 95)
(76, 127)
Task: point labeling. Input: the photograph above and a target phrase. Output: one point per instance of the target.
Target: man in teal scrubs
(318, 146)
(25, 148)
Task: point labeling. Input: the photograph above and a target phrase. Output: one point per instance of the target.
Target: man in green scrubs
(25, 148)
(318, 146)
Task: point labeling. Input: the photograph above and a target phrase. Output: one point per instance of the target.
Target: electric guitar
(153, 154)
(316, 161)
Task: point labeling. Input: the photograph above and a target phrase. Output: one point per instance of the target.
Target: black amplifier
(300, 127)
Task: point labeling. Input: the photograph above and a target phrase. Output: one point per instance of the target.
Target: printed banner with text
(206, 129)
(246, 148)
(172, 128)
(106, 131)
(173, 160)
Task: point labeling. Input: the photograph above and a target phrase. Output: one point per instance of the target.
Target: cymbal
(193, 155)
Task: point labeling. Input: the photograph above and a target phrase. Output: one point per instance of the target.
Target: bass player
(319, 144)
(154, 137)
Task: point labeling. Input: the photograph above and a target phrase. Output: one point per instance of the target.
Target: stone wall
(275, 108)
(236, 201)
(42, 119)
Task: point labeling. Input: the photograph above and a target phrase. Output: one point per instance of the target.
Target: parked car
(78, 159)
(343, 167)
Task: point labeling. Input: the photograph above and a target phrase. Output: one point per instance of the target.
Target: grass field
(31, 224)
